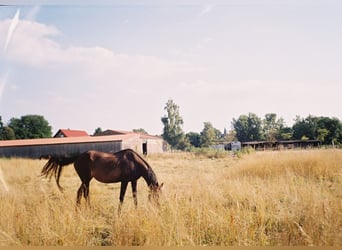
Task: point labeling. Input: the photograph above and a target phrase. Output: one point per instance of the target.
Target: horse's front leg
(122, 193)
(134, 192)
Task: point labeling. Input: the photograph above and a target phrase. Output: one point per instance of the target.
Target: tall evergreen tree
(208, 135)
(173, 132)
(272, 126)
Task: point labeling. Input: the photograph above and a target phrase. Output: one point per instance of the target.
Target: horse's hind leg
(79, 194)
(83, 189)
(134, 192)
(86, 193)
(82, 167)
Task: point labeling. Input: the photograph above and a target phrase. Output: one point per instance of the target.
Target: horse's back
(93, 159)
(93, 155)
(101, 165)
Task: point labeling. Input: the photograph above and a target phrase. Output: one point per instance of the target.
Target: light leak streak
(3, 81)
(2, 179)
(11, 29)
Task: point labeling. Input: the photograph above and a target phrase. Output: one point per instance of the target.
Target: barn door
(144, 148)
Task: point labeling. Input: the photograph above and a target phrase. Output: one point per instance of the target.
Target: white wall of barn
(153, 145)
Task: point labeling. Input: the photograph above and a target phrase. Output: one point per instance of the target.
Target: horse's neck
(145, 170)
(149, 176)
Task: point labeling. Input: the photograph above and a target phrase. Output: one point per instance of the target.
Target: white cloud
(206, 9)
(31, 44)
(35, 45)
(93, 78)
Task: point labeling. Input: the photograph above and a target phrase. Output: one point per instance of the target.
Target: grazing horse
(124, 166)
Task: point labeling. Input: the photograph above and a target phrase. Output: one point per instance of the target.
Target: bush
(210, 153)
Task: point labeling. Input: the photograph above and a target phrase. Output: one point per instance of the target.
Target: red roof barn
(70, 133)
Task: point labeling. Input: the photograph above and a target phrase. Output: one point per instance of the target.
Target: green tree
(229, 136)
(173, 132)
(6, 133)
(285, 133)
(194, 139)
(329, 130)
(208, 135)
(219, 135)
(272, 126)
(98, 131)
(140, 131)
(184, 144)
(248, 127)
(322, 133)
(30, 127)
(305, 128)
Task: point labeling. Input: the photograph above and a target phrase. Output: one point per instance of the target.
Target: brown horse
(124, 166)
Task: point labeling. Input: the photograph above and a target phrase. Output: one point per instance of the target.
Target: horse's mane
(151, 175)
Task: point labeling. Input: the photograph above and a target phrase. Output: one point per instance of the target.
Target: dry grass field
(281, 198)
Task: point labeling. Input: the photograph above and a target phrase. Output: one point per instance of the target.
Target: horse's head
(155, 190)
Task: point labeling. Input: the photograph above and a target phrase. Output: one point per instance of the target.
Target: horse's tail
(54, 166)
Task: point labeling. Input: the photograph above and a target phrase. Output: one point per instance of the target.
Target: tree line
(247, 127)
(25, 127)
(250, 127)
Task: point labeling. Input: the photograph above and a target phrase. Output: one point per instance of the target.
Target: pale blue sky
(115, 64)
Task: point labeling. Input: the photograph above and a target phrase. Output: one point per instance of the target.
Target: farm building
(286, 144)
(234, 146)
(150, 143)
(34, 148)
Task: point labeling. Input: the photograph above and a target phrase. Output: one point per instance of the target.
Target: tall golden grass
(266, 198)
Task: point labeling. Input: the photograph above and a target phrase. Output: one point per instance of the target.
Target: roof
(66, 140)
(279, 142)
(121, 132)
(70, 133)
(80, 139)
(112, 132)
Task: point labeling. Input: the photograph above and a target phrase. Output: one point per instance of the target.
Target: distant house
(70, 133)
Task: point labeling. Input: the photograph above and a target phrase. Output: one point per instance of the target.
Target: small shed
(233, 146)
